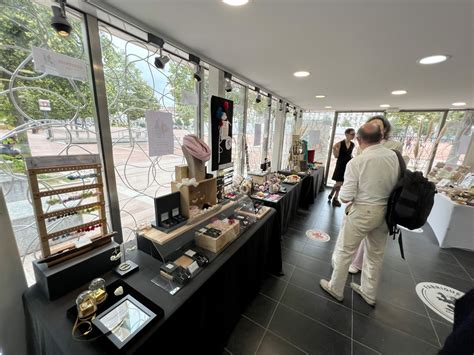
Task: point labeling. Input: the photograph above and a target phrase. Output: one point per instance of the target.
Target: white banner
(189, 98)
(257, 138)
(61, 65)
(160, 133)
(314, 138)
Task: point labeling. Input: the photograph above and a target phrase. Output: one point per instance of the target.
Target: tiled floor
(292, 315)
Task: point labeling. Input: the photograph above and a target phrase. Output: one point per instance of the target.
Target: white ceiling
(357, 51)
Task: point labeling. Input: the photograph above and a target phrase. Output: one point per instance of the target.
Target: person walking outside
(369, 179)
(343, 153)
(386, 128)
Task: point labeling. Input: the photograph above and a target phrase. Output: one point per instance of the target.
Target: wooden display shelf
(58, 169)
(67, 190)
(162, 238)
(71, 209)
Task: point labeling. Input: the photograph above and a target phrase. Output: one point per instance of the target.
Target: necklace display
(78, 231)
(84, 195)
(81, 177)
(86, 211)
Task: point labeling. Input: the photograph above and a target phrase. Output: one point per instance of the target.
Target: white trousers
(362, 222)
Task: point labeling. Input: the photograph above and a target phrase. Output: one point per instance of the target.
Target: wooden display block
(215, 245)
(205, 192)
(181, 172)
(259, 178)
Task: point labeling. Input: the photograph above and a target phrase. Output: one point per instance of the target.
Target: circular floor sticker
(439, 298)
(318, 236)
(418, 230)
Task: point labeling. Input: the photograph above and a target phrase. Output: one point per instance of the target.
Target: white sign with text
(160, 133)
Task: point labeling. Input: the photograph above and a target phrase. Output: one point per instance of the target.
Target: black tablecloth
(287, 206)
(312, 184)
(199, 318)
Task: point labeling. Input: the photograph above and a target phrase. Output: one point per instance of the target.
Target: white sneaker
(325, 286)
(356, 288)
(353, 270)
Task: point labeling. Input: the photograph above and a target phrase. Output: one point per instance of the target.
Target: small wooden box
(259, 178)
(181, 172)
(205, 192)
(217, 244)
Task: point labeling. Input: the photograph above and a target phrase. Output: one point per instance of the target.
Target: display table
(286, 207)
(199, 318)
(452, 224)
(312, 185)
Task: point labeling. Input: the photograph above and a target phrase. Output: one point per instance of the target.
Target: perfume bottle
(86, 304)
(97, 287)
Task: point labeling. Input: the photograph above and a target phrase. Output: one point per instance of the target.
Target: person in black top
(343, 152)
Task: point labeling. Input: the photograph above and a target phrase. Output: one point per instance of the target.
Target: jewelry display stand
(196, 167)
(56, 164)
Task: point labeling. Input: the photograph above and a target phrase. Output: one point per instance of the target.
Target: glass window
(271, 130)
(237, 95)
(134, 85)
(317, 128)
(417, 131)
(455, 137)
(347, 120)
(25, 130)
(287, 139)
(257, 113)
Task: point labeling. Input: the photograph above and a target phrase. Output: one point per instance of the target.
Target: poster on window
(221, 132)
(257, 139)
(160, 133)
(314, 138)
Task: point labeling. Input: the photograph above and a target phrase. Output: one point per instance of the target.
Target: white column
(12, 279)
(278, 137)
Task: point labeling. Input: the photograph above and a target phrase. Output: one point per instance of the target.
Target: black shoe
(329, 198)
(336, 203)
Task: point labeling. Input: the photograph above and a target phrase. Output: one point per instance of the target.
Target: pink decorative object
(197, 147)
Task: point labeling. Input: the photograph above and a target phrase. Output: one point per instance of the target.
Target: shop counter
(453, 224)
(200, 317)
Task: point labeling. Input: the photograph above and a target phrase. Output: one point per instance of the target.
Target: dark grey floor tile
(273, 287)
(424, 275)
(388, 340)
(314, 265)
(245, 338)
(470, 272)
(261, 310)
(317, 307)
(402, 297)
(395, 317)
(397, 264)
(274, 345)
(443, 330)
(422, 264)
(310, 282)
(322, 252)
(309, 335)
(290, 256)
(293, 244)
(360, 349)
(288, 270)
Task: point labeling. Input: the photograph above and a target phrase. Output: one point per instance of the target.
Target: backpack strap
(401, 162)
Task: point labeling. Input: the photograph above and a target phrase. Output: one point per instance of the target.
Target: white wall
(12, 286)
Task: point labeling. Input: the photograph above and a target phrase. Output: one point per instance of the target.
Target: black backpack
(410, 202)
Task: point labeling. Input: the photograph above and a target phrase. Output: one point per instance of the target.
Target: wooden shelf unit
(56, 164)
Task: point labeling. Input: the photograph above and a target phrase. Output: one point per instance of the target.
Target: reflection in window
(317, 128)
(257, 114)
(287, 139)
(25, 130)
(134, 85)
(237, 95)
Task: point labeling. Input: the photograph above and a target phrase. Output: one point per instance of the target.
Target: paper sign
(257, 138)
(193, 267)
(61, 65)
(44, 105)
(160, 133)
(314, 138)
(189, 98)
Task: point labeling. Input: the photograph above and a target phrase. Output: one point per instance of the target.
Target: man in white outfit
(368, 181)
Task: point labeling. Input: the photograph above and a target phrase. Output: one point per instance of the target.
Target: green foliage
(182, 79)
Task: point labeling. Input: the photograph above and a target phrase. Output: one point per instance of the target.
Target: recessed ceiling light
(320, 96)
(235, 2)
(399, 92)
(385, 105)
(458, 104)
(301, 74)
(328, 107)
(434, 59)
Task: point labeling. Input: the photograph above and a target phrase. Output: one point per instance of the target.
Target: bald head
(369, 134)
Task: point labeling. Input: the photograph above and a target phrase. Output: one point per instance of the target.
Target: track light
(59, 20)
(228, 82)
(196, 60)
(259, 96)
(280, 108)
(287, 108)
(269, 102)
(160, 62)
